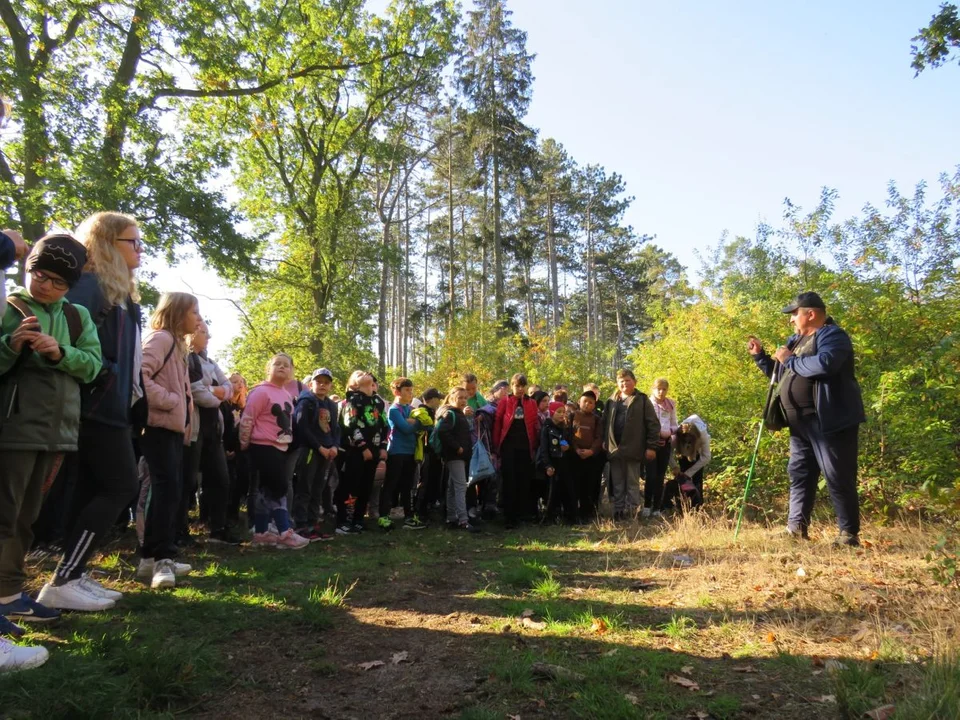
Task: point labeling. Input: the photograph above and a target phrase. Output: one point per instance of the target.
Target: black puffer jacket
(107, 399)
(454, 435)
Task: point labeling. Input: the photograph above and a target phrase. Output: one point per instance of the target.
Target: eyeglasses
(136, 242)
(43, 279)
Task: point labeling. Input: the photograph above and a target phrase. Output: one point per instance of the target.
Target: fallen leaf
(827, 699)
(699, 715)
(683, 682)
(370, 665)
(881, 713)
(816, 661)
(461, 562)
(687, 669)
(527, 613)
(476, 620)
(771, 638)
(610, 653)
(399, 657)
(755, 697)
(801, 572)
(632, 699)
(745, 669)
(598, 626)
(513, 717)
(860, 635)
(541, 703)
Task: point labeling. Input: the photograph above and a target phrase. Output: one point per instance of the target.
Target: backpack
(434, 442)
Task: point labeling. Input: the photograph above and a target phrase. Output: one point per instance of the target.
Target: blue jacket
(403, 435)
(107, 399)
(308, 425)
(836, 393)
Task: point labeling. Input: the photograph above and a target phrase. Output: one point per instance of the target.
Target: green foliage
(943, 559)
(937, 43)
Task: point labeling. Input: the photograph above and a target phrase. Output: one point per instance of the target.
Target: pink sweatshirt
(268, 417)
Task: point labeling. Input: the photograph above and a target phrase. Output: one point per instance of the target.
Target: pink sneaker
(289, 540)
(267, 539)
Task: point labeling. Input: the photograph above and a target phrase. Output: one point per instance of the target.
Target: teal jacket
(40, 399)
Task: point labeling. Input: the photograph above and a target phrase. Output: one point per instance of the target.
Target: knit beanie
(61, 254)
(556, 405)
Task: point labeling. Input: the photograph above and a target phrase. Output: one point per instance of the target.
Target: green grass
(164, 654)
(680, 627)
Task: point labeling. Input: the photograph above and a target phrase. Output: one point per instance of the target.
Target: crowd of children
(98, 422)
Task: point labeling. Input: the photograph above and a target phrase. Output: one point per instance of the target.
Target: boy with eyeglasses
(45, 354)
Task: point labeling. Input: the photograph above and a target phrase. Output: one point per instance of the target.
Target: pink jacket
(167, 384)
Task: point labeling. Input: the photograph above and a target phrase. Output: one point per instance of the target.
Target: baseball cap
(321, 371)
(805, 300)
(499, 385)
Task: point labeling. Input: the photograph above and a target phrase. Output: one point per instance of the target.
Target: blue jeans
(835, 455)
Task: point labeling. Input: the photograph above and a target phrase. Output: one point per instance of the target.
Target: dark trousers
(656, 472)
(309, 483)
(399, 478)
(835, 455)
(106, 484)
(431, 484)
(163, 451)
(22, 474)
(238, 468)
(517, 471)
(190, 483)
(585, 481)
(357, 480)
(216, 482)
(560, 496)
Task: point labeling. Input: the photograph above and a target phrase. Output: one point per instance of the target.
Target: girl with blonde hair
(106, 467)
(169, 403)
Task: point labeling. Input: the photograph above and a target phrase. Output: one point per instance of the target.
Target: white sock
(9, 599)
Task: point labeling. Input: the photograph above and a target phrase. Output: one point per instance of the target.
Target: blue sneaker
(10, 629)
(25, 609)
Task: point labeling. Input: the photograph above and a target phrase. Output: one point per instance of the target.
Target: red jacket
(501, 425)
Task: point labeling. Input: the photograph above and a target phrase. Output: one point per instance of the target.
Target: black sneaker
(224, 536)
(468, 527)
(346, 529)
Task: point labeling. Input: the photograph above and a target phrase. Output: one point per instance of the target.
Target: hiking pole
(756, 447)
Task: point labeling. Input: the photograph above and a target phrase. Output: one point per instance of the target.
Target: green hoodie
(40, 399)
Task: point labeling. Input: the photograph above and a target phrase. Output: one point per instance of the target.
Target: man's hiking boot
(845, 539)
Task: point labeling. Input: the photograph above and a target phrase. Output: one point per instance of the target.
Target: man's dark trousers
(833, 454)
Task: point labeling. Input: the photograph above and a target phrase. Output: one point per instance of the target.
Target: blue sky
(715, 112)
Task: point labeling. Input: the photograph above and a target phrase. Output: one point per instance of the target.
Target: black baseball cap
(805, 300)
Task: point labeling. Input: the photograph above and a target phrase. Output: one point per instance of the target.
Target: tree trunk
(497, 249)
(452, 288)
(382, 315)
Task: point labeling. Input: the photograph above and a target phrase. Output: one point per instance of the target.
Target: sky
(713, 113)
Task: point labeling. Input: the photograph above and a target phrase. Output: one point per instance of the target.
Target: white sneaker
(289, 540)
(145, 569)
(272, 528)
(73, 595)
(21, 657)
(645, 513)
(163, 574)
(92, 585)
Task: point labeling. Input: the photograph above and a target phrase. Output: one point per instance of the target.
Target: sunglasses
(136, 242)
(42, 278)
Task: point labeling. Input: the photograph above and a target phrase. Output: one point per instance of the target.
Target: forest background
(367, 179)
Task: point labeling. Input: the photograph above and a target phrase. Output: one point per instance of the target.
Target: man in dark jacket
(822, 402)
(630, 435)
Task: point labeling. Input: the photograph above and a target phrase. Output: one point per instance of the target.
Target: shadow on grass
(258, 635)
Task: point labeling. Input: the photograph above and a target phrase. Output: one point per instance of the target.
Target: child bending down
(266, 431)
